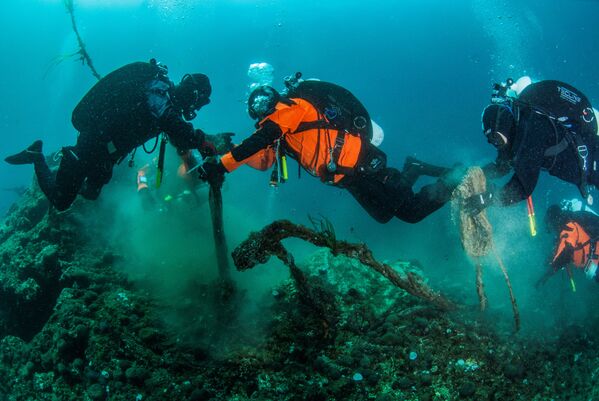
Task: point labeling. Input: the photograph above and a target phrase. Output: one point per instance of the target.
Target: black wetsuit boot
(30, 155)
(414, 168)
(61, 190)
(34, 155)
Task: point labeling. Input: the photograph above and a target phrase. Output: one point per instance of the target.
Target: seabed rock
(73, 327)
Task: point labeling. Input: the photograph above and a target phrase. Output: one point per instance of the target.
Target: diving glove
(475, 204)
(212, 171)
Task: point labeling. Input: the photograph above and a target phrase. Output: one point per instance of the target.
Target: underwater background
(423, 68)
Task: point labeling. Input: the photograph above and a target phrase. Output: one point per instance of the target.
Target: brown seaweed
(260, 246)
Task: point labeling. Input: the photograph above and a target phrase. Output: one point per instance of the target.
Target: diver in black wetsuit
(550, 126)
(120, 112)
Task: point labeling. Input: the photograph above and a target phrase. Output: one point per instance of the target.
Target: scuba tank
(342, 110)
(114, 94)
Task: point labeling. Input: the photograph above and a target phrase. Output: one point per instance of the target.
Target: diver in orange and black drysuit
(336, 157)
(578, 241)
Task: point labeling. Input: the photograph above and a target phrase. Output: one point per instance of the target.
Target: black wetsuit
(385, 192)
(121, 112)
(552, 120)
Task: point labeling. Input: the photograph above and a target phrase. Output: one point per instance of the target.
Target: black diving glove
(212, 171)
(222, 142)
(479, 202)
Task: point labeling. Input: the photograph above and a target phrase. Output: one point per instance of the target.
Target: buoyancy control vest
(117, 103)
(328, 153)
(340, 109)
(570, 112)
(564, 102)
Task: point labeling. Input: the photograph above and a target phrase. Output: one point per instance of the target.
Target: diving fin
(27, 156)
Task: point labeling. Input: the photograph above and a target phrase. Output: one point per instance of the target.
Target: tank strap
(592, 249)
(582, 155)
(318, 124)
(333, 166)
(592, 255)
(557, 148)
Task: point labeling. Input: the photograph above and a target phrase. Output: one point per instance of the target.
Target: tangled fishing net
(476, 234)
(476, 231)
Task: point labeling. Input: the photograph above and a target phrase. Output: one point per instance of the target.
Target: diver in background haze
(182, 189)
(120, 112)
(577, 243)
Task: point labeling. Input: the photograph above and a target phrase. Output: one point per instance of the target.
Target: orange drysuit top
(576, 238)
(312, 148)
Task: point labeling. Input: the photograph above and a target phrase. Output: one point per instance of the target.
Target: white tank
(518, 86)
(377, 134)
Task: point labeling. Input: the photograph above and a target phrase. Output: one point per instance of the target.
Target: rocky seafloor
(73, 326)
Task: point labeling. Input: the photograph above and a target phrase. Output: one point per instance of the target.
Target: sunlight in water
(102, 3)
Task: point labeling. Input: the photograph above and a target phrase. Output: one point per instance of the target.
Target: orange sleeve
(261, 160)
(229, 162)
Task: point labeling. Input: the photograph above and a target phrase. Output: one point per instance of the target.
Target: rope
(476, 234)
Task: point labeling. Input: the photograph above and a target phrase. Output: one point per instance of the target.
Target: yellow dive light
(531, 217)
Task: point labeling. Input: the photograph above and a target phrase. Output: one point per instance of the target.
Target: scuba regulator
(291, 82)
(499, 94)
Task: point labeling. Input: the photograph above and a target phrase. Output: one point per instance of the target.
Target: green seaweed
(81, 53)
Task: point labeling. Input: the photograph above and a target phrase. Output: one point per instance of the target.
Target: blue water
(423, 68)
